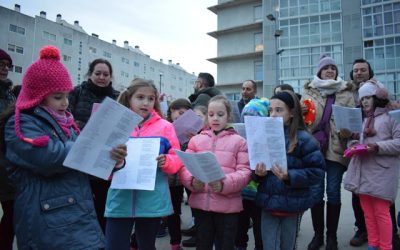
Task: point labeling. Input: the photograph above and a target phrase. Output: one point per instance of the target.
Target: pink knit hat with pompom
(43, 77)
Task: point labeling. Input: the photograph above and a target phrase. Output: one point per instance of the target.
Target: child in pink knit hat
(53, 204)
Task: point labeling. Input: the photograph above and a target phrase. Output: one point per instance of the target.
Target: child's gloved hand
(161, 159)
(197, 184)
(216, 186)
(261, 170)
(119, 153)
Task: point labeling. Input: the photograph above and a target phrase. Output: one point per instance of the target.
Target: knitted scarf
(369, 124)
(66, 120)
(327, 87)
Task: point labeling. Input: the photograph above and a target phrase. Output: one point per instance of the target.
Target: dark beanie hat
(5, 56)
(284, 97)
(208, 78)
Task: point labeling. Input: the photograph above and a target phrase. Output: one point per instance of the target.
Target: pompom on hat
(325, 60)
(5, 56)
(256, 107)
(43, 77)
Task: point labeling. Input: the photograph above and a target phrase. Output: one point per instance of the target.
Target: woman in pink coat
(217, 204)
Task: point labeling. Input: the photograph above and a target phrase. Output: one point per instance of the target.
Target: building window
(17, 69)
(92, 50)
(257, 12)
(15, 48)
(233, 96)
(17, 29)
(258, 42)
(124, 74)
(136, 64)
(125, 60)
(67, 58)
(258, 71)
(49, 36)
(107, 54)
(68, 41)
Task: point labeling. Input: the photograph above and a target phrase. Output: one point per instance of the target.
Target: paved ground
(345, 231)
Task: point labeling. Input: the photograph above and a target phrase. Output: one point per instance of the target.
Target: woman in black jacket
(81, 100)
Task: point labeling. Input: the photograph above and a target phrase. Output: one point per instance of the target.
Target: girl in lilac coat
(374, 175)
(217, 204)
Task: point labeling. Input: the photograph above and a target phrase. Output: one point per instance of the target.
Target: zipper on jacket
(214, 144)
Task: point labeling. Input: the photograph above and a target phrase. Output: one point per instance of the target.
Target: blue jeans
(334, 176)
(119, 230)
(279, 232)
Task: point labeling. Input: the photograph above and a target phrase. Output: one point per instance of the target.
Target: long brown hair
(136, 84)
(296, 122)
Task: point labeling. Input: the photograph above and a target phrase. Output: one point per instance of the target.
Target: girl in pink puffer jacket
(217, 204)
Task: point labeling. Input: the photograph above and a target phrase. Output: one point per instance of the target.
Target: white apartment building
(23, 36)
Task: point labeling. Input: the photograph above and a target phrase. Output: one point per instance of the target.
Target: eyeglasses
(4, 64)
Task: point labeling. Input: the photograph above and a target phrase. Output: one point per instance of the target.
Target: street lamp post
(277, 34)
(160, 82)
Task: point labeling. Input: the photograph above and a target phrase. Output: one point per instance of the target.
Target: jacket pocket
(61, 211)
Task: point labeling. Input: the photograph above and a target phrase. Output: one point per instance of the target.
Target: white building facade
(23, 36)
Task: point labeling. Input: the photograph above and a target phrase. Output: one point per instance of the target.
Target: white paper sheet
(395, 114)
(348, 118)
(240, 129)
(203, 166)
(141, 166)
(186, 124)
(108, 127)
(266, 141)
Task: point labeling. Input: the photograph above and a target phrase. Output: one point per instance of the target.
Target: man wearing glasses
(203, 90)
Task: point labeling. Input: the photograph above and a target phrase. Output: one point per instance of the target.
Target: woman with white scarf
(325, 89)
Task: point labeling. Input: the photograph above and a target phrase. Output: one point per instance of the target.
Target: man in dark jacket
(203, 90)
(249, 91)
(6, 190)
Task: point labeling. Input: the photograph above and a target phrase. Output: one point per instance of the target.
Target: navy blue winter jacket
(306, 167)
(53, 204)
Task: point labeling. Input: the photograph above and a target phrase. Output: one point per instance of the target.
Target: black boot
(332, 222)
(317, 215)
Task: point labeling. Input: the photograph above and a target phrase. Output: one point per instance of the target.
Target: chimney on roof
(126, 44)
(43, 14)
(58, 19)
(136, 46)
(169, 62)
(114, 42)
(178, 64)
(95, 35)
(161, 60)
(76, 23)
(17, 7)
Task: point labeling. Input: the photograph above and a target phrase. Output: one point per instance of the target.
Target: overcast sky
(169, 29)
